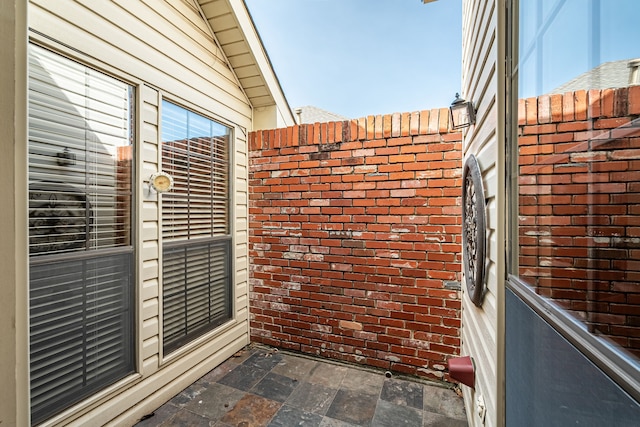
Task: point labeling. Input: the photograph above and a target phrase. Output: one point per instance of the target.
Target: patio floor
(263, 387)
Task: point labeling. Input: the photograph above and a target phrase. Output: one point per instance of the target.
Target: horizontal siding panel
(480, 342)
(492, 216)
(241, 275)
(216, 92)
(150, 364)
(150, 211)
(473, 43)
(480, 83)
(241, 198)
(150, 349)
(149, 289)
(241, 261)
(191, 11)
(150, 308)
(241, 301)
(149, 269)
(150, 328)
(150, 153)
(196, 41)
(485, 133)
(149, 96)
(242, 314)
(156, 69)
(241, 224)
(149, 113)
(241, 211)
(484, 92)
(485, 102)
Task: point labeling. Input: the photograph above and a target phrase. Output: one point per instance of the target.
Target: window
(195, 226)
(577, 164)
(80, 210)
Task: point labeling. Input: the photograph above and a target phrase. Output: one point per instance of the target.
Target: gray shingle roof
(311, 114)
(607, 75)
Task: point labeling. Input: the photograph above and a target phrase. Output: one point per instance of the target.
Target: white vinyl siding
(164, 43)
(168, 51)
(482, 327)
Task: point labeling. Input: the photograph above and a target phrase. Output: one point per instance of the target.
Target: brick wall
(580, 206)
(355, 240)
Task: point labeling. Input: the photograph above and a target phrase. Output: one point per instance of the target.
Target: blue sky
(363, 57)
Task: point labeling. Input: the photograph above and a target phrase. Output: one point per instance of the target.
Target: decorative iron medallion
(473, 229)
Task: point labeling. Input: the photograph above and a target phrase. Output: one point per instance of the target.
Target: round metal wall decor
(474, 224)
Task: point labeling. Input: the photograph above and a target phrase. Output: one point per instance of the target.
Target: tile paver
(263, 387)
(275, 387)
(289, 416)
(314, 398)
(353, 407)
(402, 392)
(389, 414)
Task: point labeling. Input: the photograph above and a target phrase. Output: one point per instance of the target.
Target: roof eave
(238, 37)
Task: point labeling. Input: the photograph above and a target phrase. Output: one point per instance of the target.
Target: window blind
(79, 156)
(81, 336)
(81, 258)
(195, 226)
(195, 290)
(195, 153)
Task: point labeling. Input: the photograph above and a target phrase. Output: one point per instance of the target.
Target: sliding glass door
(80, 231)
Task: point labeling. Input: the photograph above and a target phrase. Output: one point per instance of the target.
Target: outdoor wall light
(462, 113)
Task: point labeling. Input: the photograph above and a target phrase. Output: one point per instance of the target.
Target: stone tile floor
(263, 387)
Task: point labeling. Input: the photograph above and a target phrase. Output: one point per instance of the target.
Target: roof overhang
(236, 34)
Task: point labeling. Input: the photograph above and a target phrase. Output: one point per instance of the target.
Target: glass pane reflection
(579, 161)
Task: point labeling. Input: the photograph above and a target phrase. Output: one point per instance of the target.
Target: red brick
(379, 126)
(424, 122)
(396, 124)
(556, 108)
(415, 123)
(595, 108)
(531, 111)
(606, 102)
(522, 112)
(404, 124)
(568, 107)
(634, 100)
(544, 109)
(580, 105)
(434, 120)
(386, 126)
(351, 217)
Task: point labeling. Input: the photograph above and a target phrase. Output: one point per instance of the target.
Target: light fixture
(66, 157)
(461, 113)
